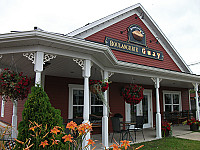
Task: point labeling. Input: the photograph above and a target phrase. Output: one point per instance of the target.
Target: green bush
(37, 108)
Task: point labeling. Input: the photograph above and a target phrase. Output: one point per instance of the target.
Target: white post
(197, 100)
(86, 75)
(2, 106)
(14, 120)
(158, 115)
(105, 117)
(38, 68)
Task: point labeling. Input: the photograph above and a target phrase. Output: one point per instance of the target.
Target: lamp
(142, 15)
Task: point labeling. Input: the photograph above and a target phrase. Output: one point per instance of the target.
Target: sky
(178, 19)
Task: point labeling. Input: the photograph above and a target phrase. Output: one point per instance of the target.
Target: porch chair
(117, 128)
(138, 126)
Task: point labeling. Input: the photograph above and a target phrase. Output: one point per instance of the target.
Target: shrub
(38, 109)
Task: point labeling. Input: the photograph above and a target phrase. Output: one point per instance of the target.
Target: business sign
(136, 34)
(133, 49)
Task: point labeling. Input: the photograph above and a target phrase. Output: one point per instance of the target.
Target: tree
(38, 108)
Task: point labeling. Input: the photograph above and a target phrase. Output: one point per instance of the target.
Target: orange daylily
(91, 142)
(88, 126)
(67, 138)
(71, 125)
(115, 147)
(81, 128)
(44, 143)
(32, 128)
(55, 130)
(125, 143)
(54, 141)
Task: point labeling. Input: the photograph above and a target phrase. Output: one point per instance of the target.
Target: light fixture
(142, 15)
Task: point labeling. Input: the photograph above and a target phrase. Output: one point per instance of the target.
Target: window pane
(175, 99)
(95, 100)
(133, 113)
(176, 108)
(77, 111)
(78, 97)
(168, 99)
(168, 108)
(97, 110)
(145, 108)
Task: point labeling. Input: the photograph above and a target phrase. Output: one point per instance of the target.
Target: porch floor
(149, 133)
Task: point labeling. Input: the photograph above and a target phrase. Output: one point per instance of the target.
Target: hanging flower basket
(132, 94)
(97, 87)
(14, 85)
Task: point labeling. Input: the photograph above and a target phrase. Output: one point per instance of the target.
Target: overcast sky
(178, 19)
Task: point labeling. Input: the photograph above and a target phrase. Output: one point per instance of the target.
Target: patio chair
(117, 128)
(138, 126)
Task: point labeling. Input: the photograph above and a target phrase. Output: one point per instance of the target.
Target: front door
(144, 108)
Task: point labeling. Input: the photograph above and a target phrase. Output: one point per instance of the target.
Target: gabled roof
(138, 9)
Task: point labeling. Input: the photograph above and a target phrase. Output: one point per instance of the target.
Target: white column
(14, 120)
(105, 117)
(2, 106)
(38, 68)
(158, 115)
(197, 100)
(86, 75)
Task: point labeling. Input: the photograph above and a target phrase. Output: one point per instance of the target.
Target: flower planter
(194, 127)
(95, 88)
(165, 133)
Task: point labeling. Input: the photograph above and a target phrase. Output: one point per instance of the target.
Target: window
(172, 101)
(76, 102)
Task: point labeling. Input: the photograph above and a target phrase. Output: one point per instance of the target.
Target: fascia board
(135, 69)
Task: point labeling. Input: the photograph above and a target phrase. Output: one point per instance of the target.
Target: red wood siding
(58, 91)
(8, 111)
(113, 31)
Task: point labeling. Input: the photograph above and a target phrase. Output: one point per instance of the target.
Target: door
(144, 108)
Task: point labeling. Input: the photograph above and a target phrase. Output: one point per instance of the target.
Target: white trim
(172, 92)
(70, 105)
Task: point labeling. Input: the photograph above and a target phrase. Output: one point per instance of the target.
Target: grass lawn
(170, 143)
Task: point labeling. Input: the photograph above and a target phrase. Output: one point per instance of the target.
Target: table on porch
(126, 125)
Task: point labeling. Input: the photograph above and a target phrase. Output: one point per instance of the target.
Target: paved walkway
(185, 133)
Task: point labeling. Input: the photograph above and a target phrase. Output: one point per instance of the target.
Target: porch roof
(67, 48)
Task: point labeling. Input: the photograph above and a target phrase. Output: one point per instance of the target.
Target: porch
(180, 131)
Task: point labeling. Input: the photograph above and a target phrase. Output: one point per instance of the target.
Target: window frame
(71, 105)
(172, 104)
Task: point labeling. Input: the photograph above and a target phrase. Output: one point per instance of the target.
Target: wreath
(14, 85)
(132, 94)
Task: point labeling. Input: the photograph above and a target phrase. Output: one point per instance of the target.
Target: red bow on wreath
(132, 94)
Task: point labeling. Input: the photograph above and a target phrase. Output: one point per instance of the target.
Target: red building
(126, 47)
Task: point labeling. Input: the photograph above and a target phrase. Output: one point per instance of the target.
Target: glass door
(144, 108)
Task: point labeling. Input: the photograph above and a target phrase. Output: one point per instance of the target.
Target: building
(106, 48)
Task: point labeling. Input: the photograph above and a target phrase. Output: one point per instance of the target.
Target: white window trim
(172, 92)
(70, 104)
